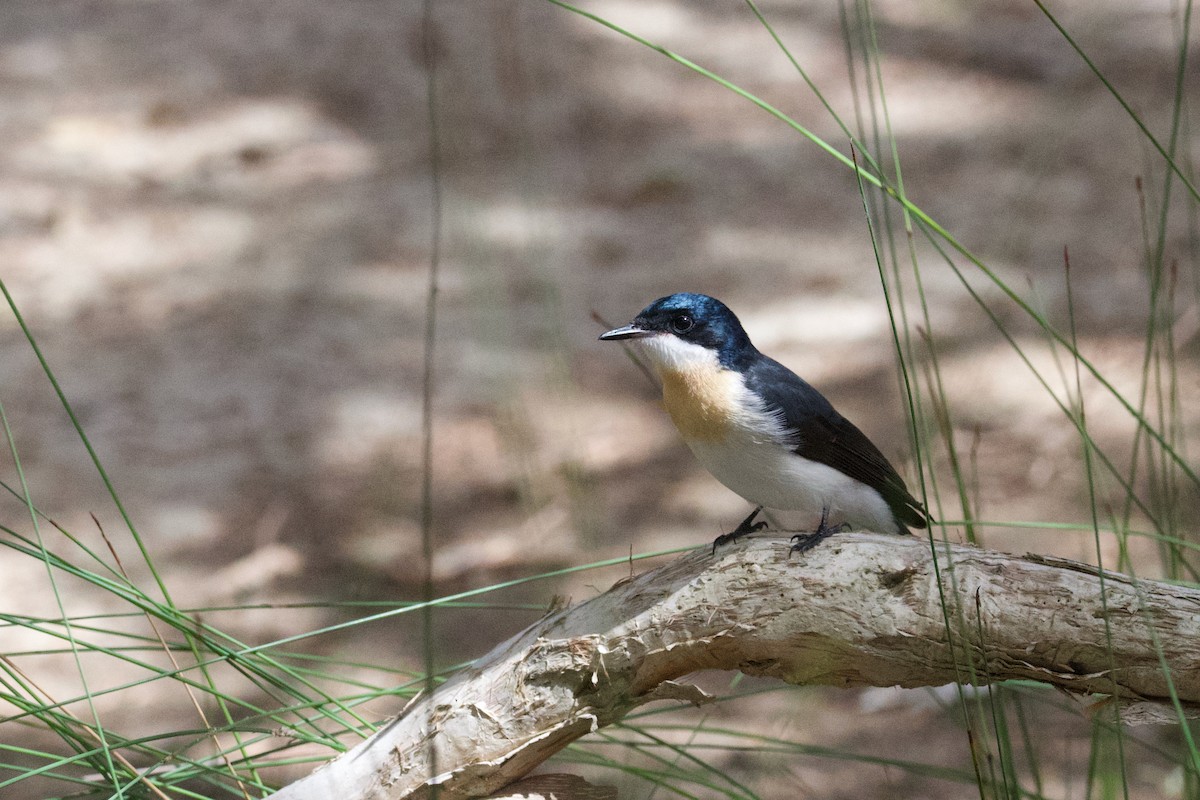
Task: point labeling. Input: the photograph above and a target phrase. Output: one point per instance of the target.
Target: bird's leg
(748, 526)
(807, 541)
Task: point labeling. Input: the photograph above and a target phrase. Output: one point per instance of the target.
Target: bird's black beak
(627, 332)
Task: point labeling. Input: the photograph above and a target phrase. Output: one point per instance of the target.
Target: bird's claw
(802, 542)
(747, 526)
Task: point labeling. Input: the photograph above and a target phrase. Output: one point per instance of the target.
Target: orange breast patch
(700, 401)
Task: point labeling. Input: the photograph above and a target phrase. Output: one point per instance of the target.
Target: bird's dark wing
(819, 433)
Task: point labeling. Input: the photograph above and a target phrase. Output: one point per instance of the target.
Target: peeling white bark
(859, 610)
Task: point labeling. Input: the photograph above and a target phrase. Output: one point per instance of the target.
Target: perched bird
(762, 430)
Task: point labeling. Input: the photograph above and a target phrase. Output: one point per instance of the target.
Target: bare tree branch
(860, 610)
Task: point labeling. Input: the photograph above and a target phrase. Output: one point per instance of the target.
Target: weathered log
(859, 610)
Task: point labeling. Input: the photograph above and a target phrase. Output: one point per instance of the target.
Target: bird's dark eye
(682, 323)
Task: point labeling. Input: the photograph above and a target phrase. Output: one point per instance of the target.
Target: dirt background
(215, 215)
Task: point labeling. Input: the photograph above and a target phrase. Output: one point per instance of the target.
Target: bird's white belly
(767, 474)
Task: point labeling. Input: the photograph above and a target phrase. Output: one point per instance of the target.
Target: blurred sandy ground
(215, 216)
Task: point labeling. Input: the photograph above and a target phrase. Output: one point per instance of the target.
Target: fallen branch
(860, 610)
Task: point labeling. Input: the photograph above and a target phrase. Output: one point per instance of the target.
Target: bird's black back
(819, 433)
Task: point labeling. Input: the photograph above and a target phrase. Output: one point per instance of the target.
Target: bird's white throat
(669, 353)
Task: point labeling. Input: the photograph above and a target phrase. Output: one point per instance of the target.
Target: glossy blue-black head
(693, 318)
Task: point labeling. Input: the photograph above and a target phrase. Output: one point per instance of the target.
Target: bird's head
(686, 329)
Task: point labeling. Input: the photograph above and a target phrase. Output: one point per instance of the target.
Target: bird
(761, 429)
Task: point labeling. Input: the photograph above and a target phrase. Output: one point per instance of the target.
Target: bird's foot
(807, 541)
(748, 526)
